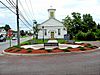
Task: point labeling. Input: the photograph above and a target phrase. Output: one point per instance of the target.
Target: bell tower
(51, 12)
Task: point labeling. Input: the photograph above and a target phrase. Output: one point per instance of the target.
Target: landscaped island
(41, 49)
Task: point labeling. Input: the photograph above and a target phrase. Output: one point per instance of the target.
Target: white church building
(51, 28)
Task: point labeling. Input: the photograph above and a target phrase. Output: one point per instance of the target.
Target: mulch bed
(57, 50)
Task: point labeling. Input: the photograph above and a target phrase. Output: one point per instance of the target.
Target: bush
(42, 49)
(69, 48)
(90, 36)
(65, 50)
(48, 50)
(22, 48)
(82, 48)
(81, 36)
(18, 50)
(29, 51)
(97, 34)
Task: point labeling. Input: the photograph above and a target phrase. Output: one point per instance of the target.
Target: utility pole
(18, 31)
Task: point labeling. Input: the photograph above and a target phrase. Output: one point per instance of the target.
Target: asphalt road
(67, 64)
(5, 45)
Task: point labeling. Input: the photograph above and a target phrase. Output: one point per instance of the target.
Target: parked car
(2, 38)
(14, 38)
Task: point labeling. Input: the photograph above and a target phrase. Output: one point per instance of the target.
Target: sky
(37, 10)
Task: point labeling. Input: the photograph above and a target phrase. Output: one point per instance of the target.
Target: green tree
(7, 27)
(88, 22)
(77, 22)
(35, 29)
(98, 26)
(22, 33)
(68, 24)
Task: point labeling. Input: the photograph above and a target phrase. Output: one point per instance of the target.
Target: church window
(59, 32)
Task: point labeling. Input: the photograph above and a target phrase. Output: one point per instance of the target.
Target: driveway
(67, 64)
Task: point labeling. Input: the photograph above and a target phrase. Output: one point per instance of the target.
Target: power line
(20, 14)
(24, 18)
(7, 7)
(24, 23)
(12, 12)
(28, 7)
(10, 2)
(31, 8)
(24, 10)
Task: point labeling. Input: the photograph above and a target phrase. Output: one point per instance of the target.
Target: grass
(36, 41)
(40, 41)
(16, 46)
(23, 36)
(61, 41)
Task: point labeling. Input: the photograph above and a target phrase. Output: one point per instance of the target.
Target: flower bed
(83, 47)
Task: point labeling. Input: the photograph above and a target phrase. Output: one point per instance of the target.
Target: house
(2, 31)
(51, 28)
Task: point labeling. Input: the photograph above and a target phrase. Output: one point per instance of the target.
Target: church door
(52, 35)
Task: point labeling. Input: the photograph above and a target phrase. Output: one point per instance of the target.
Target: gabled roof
(52, 22)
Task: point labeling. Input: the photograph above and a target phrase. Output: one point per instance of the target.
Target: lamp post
(43, 33)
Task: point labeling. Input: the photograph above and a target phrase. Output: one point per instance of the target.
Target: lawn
(40, 41)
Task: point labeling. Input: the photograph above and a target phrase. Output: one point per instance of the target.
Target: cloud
(40, 13)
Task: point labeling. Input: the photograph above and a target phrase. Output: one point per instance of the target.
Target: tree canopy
(78, 23)
(7, 27)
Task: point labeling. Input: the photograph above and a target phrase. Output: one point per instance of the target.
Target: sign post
(10, 35)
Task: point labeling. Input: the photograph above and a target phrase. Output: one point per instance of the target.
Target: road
(5, 45)
(67, 64)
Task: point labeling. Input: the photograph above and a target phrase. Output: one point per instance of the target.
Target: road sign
(10, 33)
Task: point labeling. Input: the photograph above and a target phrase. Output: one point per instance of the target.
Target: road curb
(46, 54)
(1, 54)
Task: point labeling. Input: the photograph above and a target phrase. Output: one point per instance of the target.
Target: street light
(43, 33)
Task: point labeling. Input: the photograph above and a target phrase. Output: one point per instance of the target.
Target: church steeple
(51, 12)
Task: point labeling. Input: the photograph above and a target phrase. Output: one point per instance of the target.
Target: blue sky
(38, 10)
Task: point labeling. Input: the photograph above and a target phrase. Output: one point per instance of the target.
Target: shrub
(95, 46)
(91, 46)
(29, 51)
(88, 44)
(97, 34)
(65, 50)
(48, 50)
(42, 49)
(69, 48)
(82, 48)
(81, 36)
(90, 36)
(18, 50)
(22, 48)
